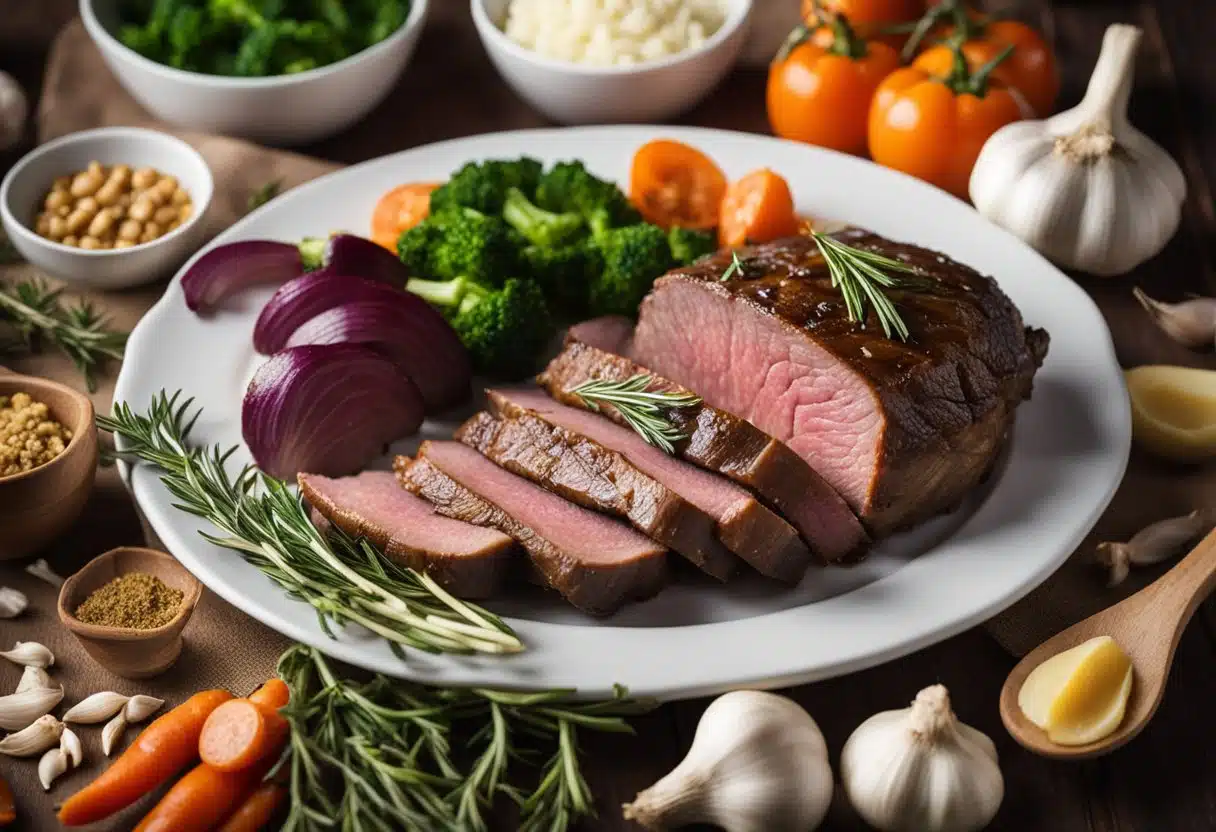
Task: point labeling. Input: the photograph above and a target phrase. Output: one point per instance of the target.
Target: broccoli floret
(565, 273)
(461, 243)
(634, 257)
(568, 186)
(503, 329)
(540, 227)
(389, 16)
(483, 186)
(689, 244)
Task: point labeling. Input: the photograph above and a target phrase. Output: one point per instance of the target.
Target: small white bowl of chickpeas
(107, 208)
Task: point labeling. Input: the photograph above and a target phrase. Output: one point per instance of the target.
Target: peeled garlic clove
(96, 708)
(53, 763)
(12, 602)
(41, 569)
(1191, 323)
(35, 739)
(140, 707)
(1174, 411)
(32, 678)
(31, 654)
(112, 733)
(1116, 558)
(19, 710)
(69, 744)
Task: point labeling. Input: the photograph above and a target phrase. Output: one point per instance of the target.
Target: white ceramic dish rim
(697, 660)
(201, 201)
(417, 14)
(737, 13)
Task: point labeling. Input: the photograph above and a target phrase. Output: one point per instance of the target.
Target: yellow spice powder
(29, 437)
(135, 600)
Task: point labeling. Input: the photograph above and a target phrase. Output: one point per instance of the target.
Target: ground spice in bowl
(135, 601)
(29, 437)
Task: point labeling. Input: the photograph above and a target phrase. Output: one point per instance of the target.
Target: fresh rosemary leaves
(38, 314)
(646, 411)
(379, 754)
(861, 276)
(735, 269)
(343, 579)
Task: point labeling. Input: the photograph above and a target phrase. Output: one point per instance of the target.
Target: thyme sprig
(862, 276)
(344, 580)
(38, 314)
(646, 411)
(379, 754)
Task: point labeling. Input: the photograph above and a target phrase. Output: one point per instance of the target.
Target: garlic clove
(53, 763)
(141, 707)
(69, 743)
(96, 708)
(12, 602)
(1174, 411)
(1115, 557)
(19, 710)
(1191, 323)
(34, 677)
(30, 653)
(41, 569)
(111, 734)
(1154, 543)
(44, 733)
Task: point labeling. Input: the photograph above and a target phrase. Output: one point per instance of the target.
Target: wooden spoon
(1147, 626)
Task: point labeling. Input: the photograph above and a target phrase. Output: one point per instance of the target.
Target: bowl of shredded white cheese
(597, 61)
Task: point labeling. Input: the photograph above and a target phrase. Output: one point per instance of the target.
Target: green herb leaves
(861, 276)
(736, 268)
(646, 411)
(345, 580)
(264, 194)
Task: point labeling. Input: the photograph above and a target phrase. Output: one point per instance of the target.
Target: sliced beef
(469, 561)
(902, 430)
(596, 563)
(746, 527)
(717, 441)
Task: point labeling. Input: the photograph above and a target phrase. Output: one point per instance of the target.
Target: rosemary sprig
(646, 411)
(861, 276)
(345, 580)
(38, 313)
(378, 754)
(263, 194)
(737, 268)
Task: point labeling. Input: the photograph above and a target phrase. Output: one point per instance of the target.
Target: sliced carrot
(273, 694)
(257, 810)
(8, 807)
(164, 748)
(400, 210)
(758, 208)
(239, 733)
(673, 184)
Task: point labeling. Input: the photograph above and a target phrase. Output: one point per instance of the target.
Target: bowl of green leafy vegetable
(276, 71)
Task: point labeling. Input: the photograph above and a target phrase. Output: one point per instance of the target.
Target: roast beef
(717, 441)
(746, 527)
(902, 430)
(596, 563)
(466, 560)
(595, 477)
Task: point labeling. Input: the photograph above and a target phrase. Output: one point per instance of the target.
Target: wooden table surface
(1165, 781)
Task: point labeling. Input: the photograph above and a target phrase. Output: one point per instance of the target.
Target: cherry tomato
(756, 209)
(400, 210)
(673, 184)
(869, 16)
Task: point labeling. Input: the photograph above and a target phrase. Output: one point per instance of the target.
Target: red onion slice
(350, 254)
(305, 297)
(326, 409)
(225, 270)
(409, 331)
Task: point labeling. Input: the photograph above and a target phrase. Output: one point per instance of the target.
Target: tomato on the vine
(821, 84)
(870, 17)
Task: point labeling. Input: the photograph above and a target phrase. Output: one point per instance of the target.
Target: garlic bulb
(30, 653)
(921, 770)
(37, 738)
(12, 602)
(758, 763)
(18, 710)
(1085, 187)
(14, 109)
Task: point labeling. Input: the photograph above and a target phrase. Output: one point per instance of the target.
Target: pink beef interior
(747, 363)
(610, 333)
(592, 537)
(716, 496)
(378, 497)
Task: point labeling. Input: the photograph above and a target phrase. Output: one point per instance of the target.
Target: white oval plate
(1068, 453)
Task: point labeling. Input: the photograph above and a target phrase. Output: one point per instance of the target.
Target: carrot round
(400, 210)
(239, 733)
(257, 810)
(673, 184)
(758, 208)
(163, 749)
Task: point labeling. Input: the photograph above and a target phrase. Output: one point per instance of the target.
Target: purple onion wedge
(350, 254)
(225, 270)
(305, 297)
(405, 328)
(326, 409)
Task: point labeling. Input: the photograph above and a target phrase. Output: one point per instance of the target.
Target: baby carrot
(257, 810)
(163, 749)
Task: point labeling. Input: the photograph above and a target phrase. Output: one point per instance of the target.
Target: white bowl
(26, 184)
(578, 94)
(280, 109)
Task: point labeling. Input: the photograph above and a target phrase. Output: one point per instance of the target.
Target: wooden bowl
(131, 653)
(39, 505)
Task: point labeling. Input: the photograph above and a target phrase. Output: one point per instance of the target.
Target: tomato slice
(400, 210)
(756, 209)
(673, 184)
